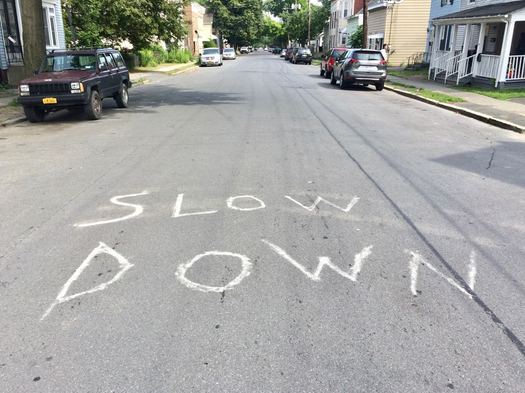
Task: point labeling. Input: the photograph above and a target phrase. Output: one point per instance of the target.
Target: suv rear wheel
(34, 115)
(93, 109)
(122, 97)
(380, 86)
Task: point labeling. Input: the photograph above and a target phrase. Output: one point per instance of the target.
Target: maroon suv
(328, 60)
(76, 79)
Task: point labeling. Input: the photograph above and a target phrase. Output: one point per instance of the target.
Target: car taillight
(382, 62)
(353, 61)
(331, 61)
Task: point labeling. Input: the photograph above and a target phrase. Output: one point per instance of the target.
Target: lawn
(434, 95)
(493, 93)
(419, 73)
(316, 62)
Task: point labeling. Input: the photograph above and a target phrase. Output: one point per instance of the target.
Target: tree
(296, 22)
(272, 33)
(238, 21)
(111, 22)
(356, 39)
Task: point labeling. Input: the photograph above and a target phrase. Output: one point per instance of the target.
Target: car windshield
(228, 50)
(337, 53)
(211, 51)
(57, 63)
(370, 56)
(305, 51)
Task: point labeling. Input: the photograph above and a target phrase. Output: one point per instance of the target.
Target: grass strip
(503, 95)
(434, 95)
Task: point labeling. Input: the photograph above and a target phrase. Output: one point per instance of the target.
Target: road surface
(251, 228)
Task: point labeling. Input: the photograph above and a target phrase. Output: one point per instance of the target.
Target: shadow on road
(485, 162)
(147, 100)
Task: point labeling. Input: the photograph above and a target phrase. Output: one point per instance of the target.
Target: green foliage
(147, 58)
(156, 54)
(110, 22)
(356, 39)
(296, 21)
(272, 33)
(210, 44)
(238, 21)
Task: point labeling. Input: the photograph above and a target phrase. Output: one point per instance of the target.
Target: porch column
(453, 40)
(505, 52)
(462, 71)
(479, 48)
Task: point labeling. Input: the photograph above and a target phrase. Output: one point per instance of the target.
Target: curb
(189, 68)
(462, 111)
(15, 120)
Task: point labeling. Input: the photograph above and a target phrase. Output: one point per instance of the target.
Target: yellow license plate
(49, 100)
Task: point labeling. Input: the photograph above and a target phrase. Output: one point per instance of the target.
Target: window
(50, 26)
(118, 59)
(10, 31)
(446, 2)
(65, 62)
(110, 61)
(102, 64)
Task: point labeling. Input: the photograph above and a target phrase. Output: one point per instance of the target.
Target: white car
(244, 49)
(211, 56)
(229, 54)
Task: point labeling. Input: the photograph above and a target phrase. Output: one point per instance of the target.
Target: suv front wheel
(93, 109)
(122, 97)
(34, 115)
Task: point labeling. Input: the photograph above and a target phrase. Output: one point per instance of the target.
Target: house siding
(407, 35)
(466, 4)
(376, 21)
(60, 25)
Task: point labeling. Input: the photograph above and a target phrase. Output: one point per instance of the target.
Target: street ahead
(251, 228)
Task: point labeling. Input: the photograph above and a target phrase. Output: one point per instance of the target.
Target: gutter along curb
(462, 111)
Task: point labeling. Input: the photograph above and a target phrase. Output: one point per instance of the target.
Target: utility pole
(365, 24)
(309, 24)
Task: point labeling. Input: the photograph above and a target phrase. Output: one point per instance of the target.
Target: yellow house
(400, 24)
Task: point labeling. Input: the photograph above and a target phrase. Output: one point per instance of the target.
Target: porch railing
(452, 66)
(488, 66)
(438, 64)
(465, 67)
(516, 68)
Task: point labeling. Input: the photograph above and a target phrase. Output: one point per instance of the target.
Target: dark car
(75, 79)
(276, 51)
(360, 66)
(328, 60)
(303, 55)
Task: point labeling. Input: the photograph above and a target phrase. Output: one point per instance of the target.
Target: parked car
(276, 51)
(283, 53)
(288, 55)
(303, 55)
(360, 66)
(229, 54)
(250, 49)
(75, 79)
(328, 60)
(244, 50)
(210, 56)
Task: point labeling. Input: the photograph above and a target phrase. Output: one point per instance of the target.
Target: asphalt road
(180, 245)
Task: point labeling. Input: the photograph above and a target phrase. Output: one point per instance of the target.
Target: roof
(499, 9)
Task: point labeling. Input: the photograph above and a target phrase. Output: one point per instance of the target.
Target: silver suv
(360, 66)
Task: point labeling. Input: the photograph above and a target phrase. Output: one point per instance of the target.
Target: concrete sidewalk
(505, 110)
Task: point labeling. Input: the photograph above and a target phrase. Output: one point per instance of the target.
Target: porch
(484, 45)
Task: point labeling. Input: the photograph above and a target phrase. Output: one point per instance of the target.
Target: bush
(178, 56)
(210, 44)
(147, 58)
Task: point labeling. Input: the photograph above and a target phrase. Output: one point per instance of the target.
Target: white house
(484, 43)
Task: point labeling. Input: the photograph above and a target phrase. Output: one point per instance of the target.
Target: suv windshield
(211, 51)
(57, 63)
(370, 56)
(228, 50)
(305, 51)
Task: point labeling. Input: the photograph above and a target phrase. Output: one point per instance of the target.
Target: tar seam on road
(486, 309)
